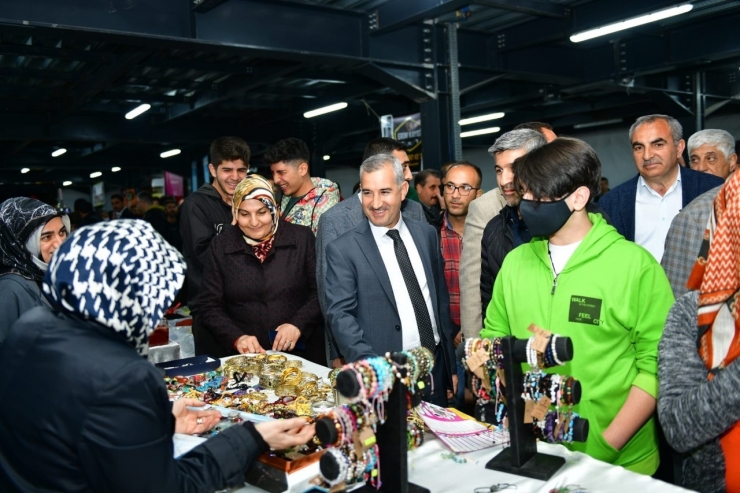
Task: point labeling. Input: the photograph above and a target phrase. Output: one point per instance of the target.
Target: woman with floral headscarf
(698, 364)
(258, 289)
(84, 410)
(30, 231)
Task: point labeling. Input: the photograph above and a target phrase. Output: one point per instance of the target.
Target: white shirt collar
(381, 231)
(642, 183)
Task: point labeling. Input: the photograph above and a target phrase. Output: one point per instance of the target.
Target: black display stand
(522, 458)
(390, 436)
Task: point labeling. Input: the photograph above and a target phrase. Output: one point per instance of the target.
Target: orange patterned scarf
(716, 275)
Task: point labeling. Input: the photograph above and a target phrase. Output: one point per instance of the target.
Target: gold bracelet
(294, 363)
(284, 390)
(291, 376)
(277, 358)
(273, 367)
(309, 377)
(255, 396)
(269, 380)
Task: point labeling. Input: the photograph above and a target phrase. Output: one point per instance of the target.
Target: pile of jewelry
(241, 384)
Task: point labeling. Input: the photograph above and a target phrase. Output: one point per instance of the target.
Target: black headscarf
(19, 218)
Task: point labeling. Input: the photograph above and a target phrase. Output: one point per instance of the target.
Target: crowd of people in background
(283, 262)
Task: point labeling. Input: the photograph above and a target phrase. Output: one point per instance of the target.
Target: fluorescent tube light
(95, 174)
(170, 153)
(115, 169)
(58, 152)
(630, 23)
(482, 131)
(25, 170)
(482, 118)
(137, 111)
(66, 183)
(327, 157)
(325, 109)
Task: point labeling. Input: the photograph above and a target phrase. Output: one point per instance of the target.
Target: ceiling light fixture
(66, 183)
(170, 153)
(482, 118)
(95, 174)
(25, 170)
(482, 131)
(630, 23)
(115, 169)
(58, 152)
(138, 111)
(325, 109)
(327, 157)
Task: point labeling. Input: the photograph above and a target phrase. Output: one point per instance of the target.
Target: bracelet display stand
(522, 458)
(390, 435)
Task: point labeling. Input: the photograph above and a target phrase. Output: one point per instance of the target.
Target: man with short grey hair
(642, 208)
(385, 285)
(507, 147)
(713, 151)
(346, 215)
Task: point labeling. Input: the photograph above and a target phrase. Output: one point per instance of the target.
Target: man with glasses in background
(460, 186)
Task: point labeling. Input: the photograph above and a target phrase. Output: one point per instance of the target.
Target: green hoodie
(612, 299)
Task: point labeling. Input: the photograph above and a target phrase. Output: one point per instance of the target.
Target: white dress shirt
(409, 327)
(653, 215)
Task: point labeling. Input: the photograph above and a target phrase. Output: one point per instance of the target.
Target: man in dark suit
(642, 208)
(385, 285)
(119, 210)
(347, 214)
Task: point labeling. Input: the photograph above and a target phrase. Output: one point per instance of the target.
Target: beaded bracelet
(343, 465)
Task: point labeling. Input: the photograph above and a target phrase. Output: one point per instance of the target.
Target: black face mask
(544, 218)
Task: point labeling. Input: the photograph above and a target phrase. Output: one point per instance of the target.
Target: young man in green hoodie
(580, 278)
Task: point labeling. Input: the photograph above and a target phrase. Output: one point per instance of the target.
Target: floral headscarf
(122, 274)
(21, 221)
(257, 187)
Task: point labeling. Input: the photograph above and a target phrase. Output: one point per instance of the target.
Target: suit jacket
(126, 213)
(684, 241)
(481, 211)
(334, 223)
(619, 202)
(361, 308)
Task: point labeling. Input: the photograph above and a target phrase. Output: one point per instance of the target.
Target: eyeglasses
(463, 189)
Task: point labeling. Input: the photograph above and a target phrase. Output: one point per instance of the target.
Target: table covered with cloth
(431, 467)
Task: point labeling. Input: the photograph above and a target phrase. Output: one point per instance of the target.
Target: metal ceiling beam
(82, 93)
(45, 74)
(54, 53)
(531, 7)
(400, 13)
(232, 88)
(201, 65)
(408, 83)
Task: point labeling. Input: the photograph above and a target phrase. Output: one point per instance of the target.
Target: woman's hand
(248, 344)
(285, 433)
(286, 338)
(193, 422)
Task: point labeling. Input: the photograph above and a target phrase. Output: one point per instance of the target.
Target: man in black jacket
(506, 230)
(202, 216)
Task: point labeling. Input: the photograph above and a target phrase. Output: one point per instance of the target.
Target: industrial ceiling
(70, 70)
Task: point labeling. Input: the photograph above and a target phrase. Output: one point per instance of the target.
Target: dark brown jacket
(239, 295)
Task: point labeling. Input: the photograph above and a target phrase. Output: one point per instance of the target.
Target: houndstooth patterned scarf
(122, 274)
